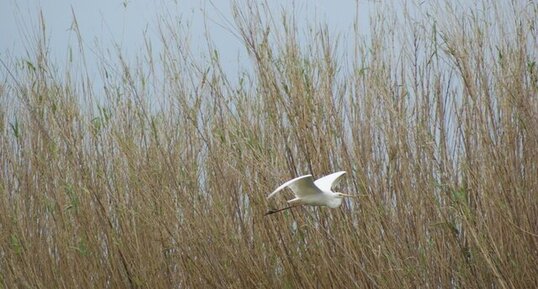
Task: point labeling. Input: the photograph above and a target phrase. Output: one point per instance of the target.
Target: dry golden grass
(163, 185)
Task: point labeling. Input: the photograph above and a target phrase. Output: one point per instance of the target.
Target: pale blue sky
(124, 22)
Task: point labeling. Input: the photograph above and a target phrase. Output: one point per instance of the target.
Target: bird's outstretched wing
(301, 186)
(325, 183)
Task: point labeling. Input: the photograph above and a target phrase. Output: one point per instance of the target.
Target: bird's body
(313, 193)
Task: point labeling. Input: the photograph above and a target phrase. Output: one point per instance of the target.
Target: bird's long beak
(351, 196)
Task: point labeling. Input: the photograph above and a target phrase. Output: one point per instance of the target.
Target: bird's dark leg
(272, 211)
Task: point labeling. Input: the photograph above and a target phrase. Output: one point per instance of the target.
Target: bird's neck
(335, 203)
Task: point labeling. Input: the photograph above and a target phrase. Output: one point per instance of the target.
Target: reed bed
(159, 178)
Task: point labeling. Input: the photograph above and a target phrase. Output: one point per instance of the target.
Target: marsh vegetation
(159, 177)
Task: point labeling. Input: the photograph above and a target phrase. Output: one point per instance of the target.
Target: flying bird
(312, 193)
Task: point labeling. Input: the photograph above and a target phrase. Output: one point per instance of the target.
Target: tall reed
(159, 179)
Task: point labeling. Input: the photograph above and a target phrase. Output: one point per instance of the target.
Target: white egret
(312, 193)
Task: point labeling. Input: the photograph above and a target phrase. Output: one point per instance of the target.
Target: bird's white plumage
(301, 186)
(313, 193)
(306, 186)
(327, 182)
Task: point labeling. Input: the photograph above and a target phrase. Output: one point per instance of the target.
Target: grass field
(159, 178)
